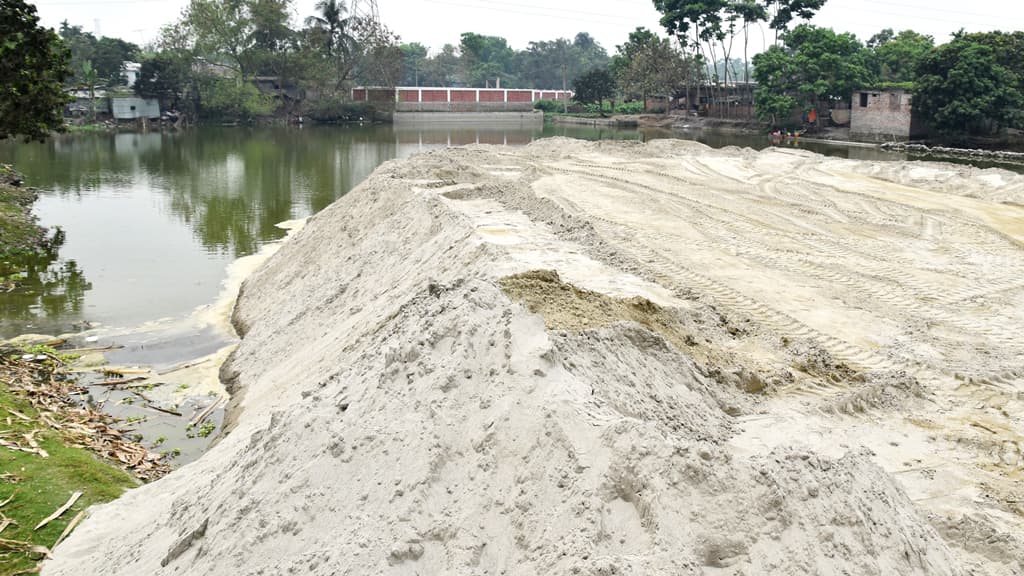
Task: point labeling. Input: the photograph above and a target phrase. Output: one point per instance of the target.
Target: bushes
(630, 108)
(336, 109)
(226, 98)
(548, 106)
(555, 107)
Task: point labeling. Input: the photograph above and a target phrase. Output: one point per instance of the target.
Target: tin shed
(130, 108)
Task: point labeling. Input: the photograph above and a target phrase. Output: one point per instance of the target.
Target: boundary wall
(433, 99)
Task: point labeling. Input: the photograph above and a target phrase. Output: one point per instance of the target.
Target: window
(133, 108)
(863, 99)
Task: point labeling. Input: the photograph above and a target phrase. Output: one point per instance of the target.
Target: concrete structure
(884, 115)
(616, 122)
(531, 119)
(131, 73)
(83, 105)
(131, 108)
(433, 99)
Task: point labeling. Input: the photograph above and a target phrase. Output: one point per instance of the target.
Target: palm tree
(90, 76)
(333, 21)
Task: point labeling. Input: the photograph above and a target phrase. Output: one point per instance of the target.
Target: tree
(548, 64)
(774, 97)
(82, 46)
(108, 58)
(90, 77)
(973, 84)
(247, 35)
(33, 65)
(486, 58)
(442, 69)
(333, 24)
(594, 87)
(165, 78)
(647, 65)
(106, 55)
(895, 56)
(750, 12)
(377, 60)
(413, 56)
(783, 12)
(813, 66)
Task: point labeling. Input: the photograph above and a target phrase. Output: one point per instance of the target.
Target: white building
(131, 73)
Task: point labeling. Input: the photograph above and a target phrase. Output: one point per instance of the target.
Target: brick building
(884, 114)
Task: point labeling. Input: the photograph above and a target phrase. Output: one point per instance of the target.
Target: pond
(153, 220)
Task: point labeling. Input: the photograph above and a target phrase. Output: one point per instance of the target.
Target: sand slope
(600, 359)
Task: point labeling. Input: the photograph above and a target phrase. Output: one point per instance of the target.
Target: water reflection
(40, 286)
(153, 219)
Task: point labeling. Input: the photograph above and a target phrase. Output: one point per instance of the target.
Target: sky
(437, 22)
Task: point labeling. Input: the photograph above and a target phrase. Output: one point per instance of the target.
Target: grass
(19, 232)
(87, 128)
(40, 486)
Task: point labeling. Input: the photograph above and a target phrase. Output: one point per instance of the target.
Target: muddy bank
(615, 121)
(21, 236)
(614, 358)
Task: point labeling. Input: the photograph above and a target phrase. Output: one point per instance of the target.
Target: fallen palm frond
(24, 547)
(56, 514)
(4, 523)
(71, 526)
(49, 391)
(205, 413)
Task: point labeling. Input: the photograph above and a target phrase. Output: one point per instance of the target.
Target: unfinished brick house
(884, 114)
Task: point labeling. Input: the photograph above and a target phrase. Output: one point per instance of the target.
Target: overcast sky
(436, 22)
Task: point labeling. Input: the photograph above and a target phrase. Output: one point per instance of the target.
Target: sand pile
(459, 369)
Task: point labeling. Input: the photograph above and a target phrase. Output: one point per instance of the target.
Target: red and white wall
(429, 99)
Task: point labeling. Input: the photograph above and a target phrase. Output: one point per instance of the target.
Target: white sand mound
(400, 410)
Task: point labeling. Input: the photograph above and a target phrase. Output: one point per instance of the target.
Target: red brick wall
(463, 95)
(382, 95)
(520, 95)
(435, 96)
(492, 95)
(408, 96)
(359, 95)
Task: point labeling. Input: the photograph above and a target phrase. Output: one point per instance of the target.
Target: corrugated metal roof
(129, 108)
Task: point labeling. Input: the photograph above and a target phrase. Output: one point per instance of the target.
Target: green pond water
(152, 220)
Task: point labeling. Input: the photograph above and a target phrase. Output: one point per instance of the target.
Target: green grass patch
(88, 128)
(19, 232)
(40, 486)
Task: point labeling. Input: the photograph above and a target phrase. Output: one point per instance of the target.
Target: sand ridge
(612, 358)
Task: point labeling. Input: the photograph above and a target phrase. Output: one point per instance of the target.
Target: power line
(1003, 24)
(612, 18)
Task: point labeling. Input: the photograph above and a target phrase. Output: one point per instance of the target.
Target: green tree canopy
(594, 87)
(974, 84)
(165, 78)
(814, 65)
(413, 57)
(895, 56)
(549, 64)
(442, 69)
(485, 59)
(647, 65)
(332, 25)
(33, 65)
(106, 55)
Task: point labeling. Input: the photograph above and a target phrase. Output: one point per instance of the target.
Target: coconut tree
(334, 23)
(91, 77)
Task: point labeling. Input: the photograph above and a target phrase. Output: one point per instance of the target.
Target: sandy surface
(616, 358)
